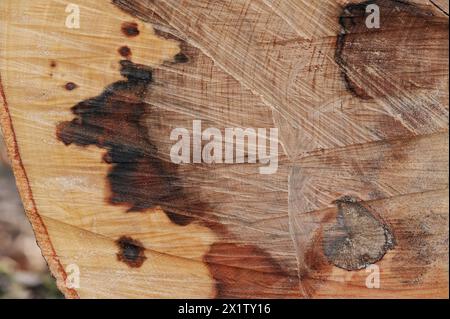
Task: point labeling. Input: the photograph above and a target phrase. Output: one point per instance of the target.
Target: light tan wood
(362, 139)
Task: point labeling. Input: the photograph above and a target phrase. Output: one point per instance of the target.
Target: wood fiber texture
(362, 116)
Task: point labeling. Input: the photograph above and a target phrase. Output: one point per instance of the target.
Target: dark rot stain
(181, 58)
(138, 178)
(396, 58)
(358, 239)
(246, 271)
(70, 86)
(131, 252)
(125, 52)
(130, 29)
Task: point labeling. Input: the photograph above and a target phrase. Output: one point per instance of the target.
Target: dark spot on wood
(181, 219)
(125, 52)
(130, 29)
(53, 64)
(358, 239)
(70, 86)
(181, 58)
(131, 252)
(138, 178)
(399, 57)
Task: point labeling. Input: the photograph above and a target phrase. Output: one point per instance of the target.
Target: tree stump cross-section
(350, 96)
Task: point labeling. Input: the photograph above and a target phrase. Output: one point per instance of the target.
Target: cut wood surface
(362, 114)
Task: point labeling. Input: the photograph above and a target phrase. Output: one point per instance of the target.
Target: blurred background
(23, 270)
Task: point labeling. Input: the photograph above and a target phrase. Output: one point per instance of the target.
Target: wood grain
(363, 167)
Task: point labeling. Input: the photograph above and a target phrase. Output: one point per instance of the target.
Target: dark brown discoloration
(421, 241)
(316, 268)
(70, 86)
(130, 29)
(53, 64)
(181, 58)
(125, 52)
(358, 239)
(258, 277)
(140, 9)
(138, 178)
(396, 58)
(131, 252)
